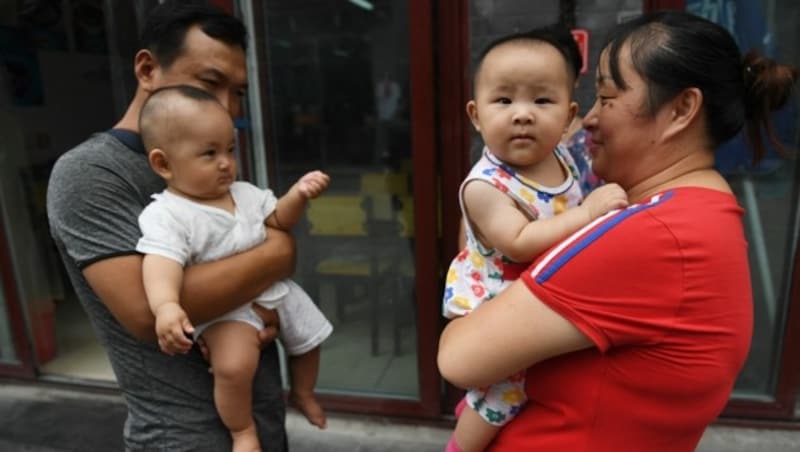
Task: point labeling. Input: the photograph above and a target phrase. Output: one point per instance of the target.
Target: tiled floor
(347, 363)
(78, 354)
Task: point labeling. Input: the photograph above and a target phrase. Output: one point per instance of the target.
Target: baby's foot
(246, 440)
(311, 409)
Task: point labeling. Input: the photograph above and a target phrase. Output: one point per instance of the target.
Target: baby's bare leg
(304, 369)
(472, 432)
(233, 351)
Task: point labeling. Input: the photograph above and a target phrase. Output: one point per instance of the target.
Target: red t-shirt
(663, 291)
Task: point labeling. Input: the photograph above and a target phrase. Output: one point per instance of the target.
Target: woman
(634, 329)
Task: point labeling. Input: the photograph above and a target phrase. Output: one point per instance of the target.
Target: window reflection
(338, 100)
(766, 191)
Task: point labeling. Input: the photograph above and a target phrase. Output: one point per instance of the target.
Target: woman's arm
(511, 333)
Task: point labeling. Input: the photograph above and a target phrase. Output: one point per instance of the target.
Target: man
(95, 195)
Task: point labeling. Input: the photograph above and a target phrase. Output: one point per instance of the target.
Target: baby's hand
(312, 184)
(172, 326)
(604, 199)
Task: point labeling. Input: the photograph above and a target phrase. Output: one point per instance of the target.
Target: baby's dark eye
(503, 100)
(543, 100)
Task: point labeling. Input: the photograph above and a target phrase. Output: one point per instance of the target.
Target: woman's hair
(673, 51)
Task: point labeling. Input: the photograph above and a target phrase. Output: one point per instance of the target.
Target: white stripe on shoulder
(568, 241)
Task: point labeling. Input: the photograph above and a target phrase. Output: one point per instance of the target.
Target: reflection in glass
(766, 191)
(8, 353)
(338, 100)
(54, 61)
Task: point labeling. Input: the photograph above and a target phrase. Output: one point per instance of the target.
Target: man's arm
(209, 290)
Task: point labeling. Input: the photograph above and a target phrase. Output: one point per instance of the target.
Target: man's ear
(160, 163)
(472, 112)
(145, 67)
(683, 110)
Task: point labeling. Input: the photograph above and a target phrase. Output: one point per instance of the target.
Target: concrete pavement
(41, 418)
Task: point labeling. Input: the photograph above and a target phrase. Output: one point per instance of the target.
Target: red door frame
(454, 84)
(16, 319)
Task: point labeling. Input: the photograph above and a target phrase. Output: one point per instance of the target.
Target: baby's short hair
(165, 109)
(555, 35)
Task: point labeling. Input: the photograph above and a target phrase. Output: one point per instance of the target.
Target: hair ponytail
(767, 87)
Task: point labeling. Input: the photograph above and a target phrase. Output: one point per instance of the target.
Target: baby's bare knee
(235, 369)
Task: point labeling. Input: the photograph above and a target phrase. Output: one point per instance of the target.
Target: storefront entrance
(373, 92)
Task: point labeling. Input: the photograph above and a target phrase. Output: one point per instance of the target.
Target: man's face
(208, 64)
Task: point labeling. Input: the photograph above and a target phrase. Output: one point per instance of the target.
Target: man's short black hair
(165, 28)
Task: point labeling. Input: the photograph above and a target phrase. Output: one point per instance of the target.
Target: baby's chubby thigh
(234, 346)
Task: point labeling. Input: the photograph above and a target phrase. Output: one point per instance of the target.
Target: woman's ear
(472, 112)
(144, 68)
(684, 109)
(160, 163)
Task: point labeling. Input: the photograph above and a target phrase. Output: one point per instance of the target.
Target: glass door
(345, 87)
(15, 359)
(768, 192)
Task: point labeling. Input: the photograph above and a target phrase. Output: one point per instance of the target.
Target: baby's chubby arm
(291, 205)
(501, 225)
(162, 279)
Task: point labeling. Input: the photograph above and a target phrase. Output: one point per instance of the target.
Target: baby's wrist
(297, 193)
(164, 306)
(588, 213)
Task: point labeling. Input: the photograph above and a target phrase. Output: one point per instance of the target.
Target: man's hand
(172, 327)
(271, 324)
(312, 184)
(265, 336)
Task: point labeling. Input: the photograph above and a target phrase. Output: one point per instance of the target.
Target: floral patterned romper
(478, 273)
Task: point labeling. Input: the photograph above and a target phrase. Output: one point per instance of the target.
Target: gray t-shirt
(94, 198)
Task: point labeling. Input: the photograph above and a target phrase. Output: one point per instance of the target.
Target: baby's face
(202, 161)
(523, 101)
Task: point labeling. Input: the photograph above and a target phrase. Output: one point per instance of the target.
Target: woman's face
(622, 130)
